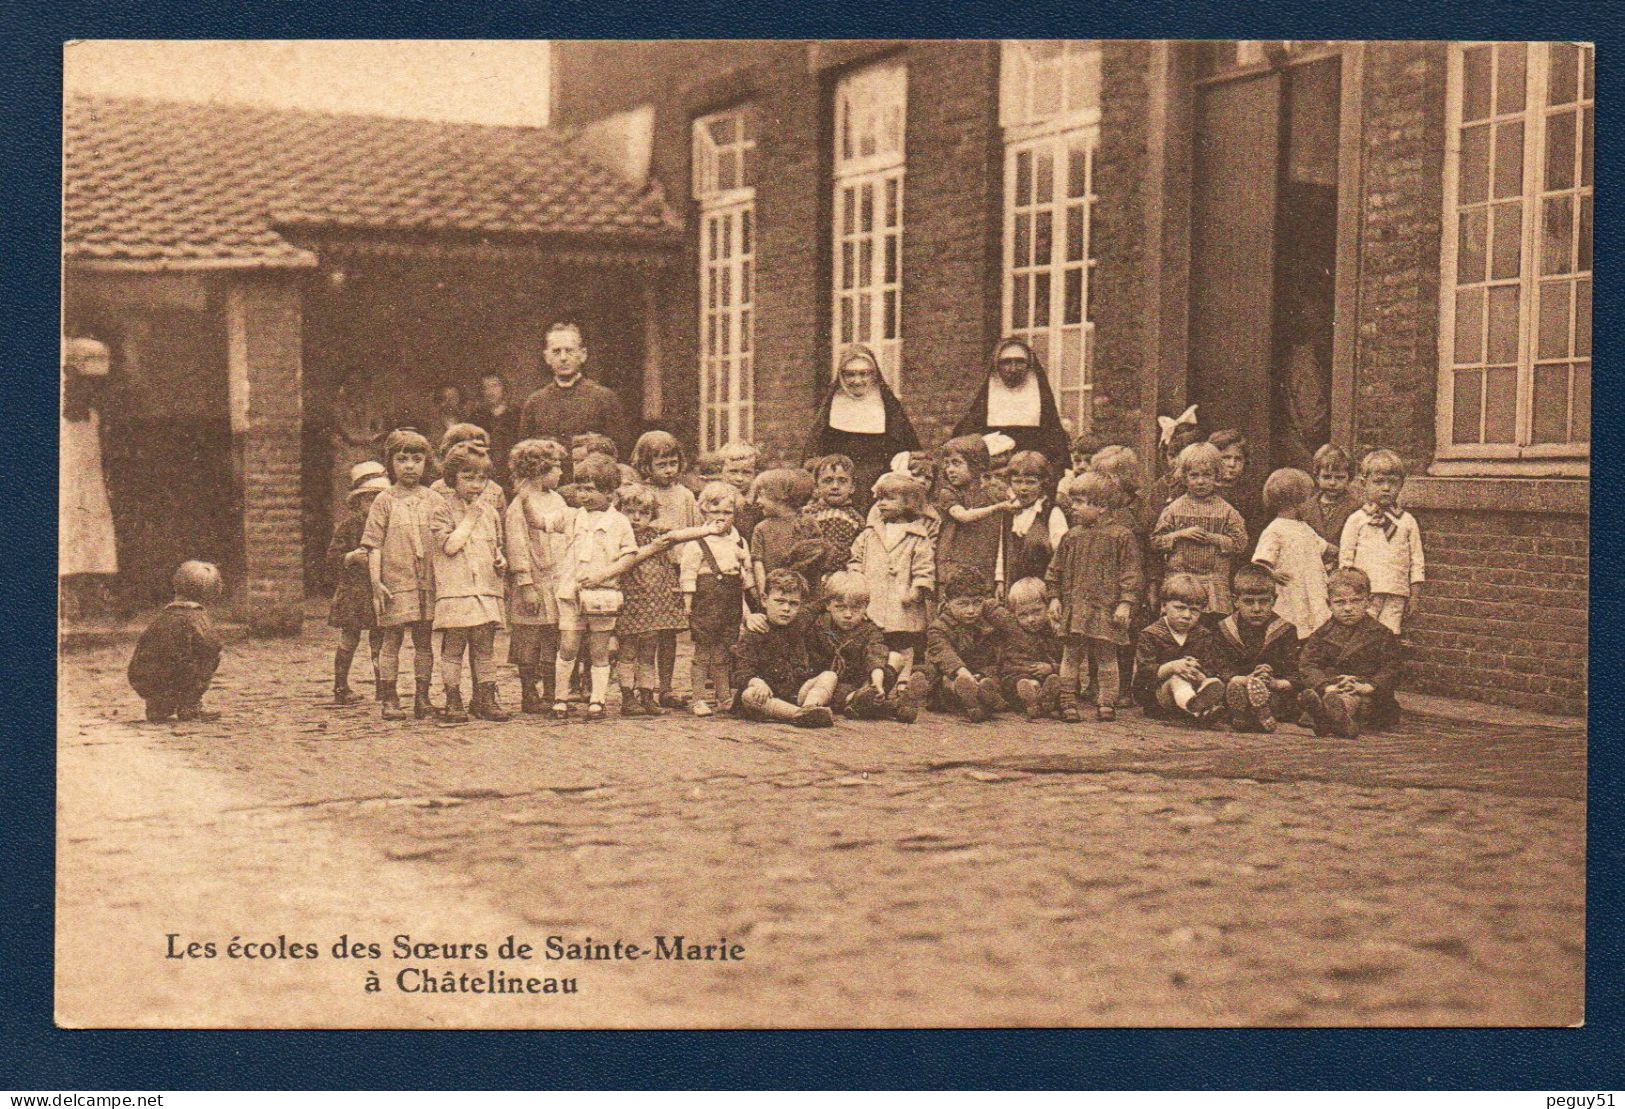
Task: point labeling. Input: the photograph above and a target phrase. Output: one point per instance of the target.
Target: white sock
(600, 684)
(562, 669)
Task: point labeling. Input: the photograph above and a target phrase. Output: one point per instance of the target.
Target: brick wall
(1504, 612)
(265, 327)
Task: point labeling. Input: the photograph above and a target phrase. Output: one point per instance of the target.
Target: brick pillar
(263, 333)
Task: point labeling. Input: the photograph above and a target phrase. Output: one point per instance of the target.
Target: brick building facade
(1373, 244)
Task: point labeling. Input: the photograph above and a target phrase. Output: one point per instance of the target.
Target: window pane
(1044, 187)
(1023, 251)
(1559, 151)
(1557, 236)
(1582, 403)
(1501, 404)
(728, 171)
(1562, 78)
(747, 174)
(725, 296)
(1508, 240)
(1475, 165)
(1076, 181)
(1582, 319)
(865, 317)
(846, 266)
(1503, 311)
(1475, 83)
(866, 262)
(866, 209)
(1074, 297)
(846, 320)
(1074, 233)
(1042, 239)
(724, 334)
(1469, 394)
(1471, 246)
(1024, 178)
(1020, 316)
(889, 323)
(1041, 299)
(893, 196)
(1509, 77)
(1469, 326)
(747, 229)
(1554, 320)
(1550, 404)
(1508, 159)
(745, 333)
(849, 200)
(1072, 372)
(891, 259)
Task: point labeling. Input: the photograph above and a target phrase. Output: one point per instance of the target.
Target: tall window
(870, 107)
(1049, 106)
(1515, 340)
(724, 186)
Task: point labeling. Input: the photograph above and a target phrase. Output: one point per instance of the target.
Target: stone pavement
(875, 875)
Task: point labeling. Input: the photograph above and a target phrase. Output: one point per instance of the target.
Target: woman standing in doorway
(87, 553)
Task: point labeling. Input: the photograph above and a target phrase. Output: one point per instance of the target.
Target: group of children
(972, 579)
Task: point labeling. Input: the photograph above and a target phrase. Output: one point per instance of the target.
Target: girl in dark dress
(862, 419)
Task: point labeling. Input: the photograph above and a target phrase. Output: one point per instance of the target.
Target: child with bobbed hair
(1294, 552)
(831, 510)
(1132, 510)
(784, 538)
(469, 568)
(532, 550)
(400, 566)
(962, 649)
(1333, 471)
(1235, 453)
(481, 439)
(1095, 582)
(1200, 533)
(659, 460)
(973, 519)
(178, 653)
(1037, 525)
(895, 554)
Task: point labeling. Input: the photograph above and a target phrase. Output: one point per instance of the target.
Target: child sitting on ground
(352, 611)
(469, 571)
(1200, 532)
(714, 577)
(177, 655)
(778, 672)
(1256, 655)
(1174, 664)
(1095, 582)
(532, 551)
(962, 649)
(1384, 541)
(1334, 504)
(1351, 665)
(1030, 651)
(1294, 552)
(895, 555)
(846, 641)
(831, 510)
(399, 565)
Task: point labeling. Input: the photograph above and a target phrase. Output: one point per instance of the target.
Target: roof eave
(304, 260)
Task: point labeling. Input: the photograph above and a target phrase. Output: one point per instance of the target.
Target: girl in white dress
(1294, 552)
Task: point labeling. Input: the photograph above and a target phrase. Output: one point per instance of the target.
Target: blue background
(34, 1055)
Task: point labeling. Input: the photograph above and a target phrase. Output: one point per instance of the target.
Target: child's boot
(195, 711)
(342, 693)
(1049, 694)
(631, 703)
(453, 712)
(905, 702)
(968, 694)
(389, 696)
(422, 706)
(1340, 711)
(1207, 700)
(485, 696)
(1031, 696)
(1069, 704)
(813, 716)
(650, 704)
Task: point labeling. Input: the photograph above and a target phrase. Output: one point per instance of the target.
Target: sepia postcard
(824, 534)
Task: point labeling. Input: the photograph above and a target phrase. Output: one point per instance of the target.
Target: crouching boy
(851, 645)
(1256, 653)
(962, 649)
(1351, 664)
(1174, 664)
(176, 657)
(780, 679)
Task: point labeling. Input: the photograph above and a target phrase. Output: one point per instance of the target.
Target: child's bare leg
(547, 654)
(631, 649)
(423, 653)
(902, 662)
(1071, 672)
(389, 669)
(453, 642)
(565, 664)
(818, 691)
(343, 657)
(375, 643)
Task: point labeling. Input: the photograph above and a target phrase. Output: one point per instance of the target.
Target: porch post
(263, 325)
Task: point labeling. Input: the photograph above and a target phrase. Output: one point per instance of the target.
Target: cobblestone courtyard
(944, 874)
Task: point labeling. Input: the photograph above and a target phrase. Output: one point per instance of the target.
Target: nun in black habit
(863, 419)
(1016, 399)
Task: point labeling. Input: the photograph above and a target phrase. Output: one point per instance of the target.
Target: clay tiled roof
(169, 184)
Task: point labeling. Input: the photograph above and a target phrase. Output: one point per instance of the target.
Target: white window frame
(1522, 454)
(1038, 127)
(727, 275)
(866, 271)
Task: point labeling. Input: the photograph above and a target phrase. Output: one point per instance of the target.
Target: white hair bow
(998, 443)
(1168, 424)
(899, 464)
